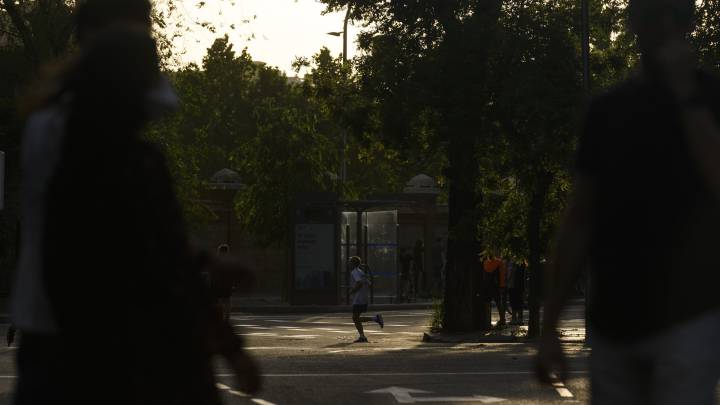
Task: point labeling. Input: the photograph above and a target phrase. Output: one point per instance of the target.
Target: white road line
(429, 374)
(401, 374)
(248, 326)
(560, 387)
(258, 327)
(259, 334)
(287, 329)
(301, 317)
(380, 349)
(261, 401)
(564, 392)
(344, 351)
(301, 336)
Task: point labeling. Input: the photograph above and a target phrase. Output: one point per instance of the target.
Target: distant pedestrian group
(502, 280)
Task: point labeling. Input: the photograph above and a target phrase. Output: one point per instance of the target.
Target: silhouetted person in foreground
(132, 321)
(646, 214)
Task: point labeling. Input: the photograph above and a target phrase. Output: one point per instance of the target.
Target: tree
(537, 100)
(426, 64)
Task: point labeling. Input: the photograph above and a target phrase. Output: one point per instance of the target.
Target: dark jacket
(132, 310)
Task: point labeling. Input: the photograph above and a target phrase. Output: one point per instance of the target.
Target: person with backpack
(493, 284)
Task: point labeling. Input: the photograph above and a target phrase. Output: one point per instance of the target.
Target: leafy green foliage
(283, 136)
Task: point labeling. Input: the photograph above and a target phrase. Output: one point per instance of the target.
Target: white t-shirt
(361, 295)
(42, 141)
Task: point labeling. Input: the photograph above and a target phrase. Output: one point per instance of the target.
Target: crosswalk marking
(560, 387)
(259, 334)
(261, 401)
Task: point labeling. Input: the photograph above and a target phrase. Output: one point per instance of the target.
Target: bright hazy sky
(283, 29)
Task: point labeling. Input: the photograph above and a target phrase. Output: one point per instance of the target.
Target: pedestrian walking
(221, 285)
(10, 335)
(516, 288)
(647, 247)
(361, 291)
(493, 284)
(437, 267)
(418, 268)
(127, 314)
(405, 276)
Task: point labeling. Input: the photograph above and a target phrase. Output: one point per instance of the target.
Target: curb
(478, 337)
(494, 339)
(320, 309)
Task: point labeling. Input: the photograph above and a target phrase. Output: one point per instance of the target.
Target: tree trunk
(465, 96)
(461, 307)
(535, 219)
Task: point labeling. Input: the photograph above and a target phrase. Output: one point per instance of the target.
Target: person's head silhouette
(109, 82)
(94, 16)
(657, 22)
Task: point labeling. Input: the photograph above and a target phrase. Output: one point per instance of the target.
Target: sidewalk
(571, 330)
(256, 304)
(274, 305)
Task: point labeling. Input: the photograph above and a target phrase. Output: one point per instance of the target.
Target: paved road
(310, 359)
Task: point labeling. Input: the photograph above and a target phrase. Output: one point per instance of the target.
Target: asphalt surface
(311, 359)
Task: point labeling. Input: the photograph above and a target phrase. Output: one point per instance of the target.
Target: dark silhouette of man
(49, 308)
(645, 216)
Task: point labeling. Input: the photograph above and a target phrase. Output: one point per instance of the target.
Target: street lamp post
(343, 163)
(585, 21)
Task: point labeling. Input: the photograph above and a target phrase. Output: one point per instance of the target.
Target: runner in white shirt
(361, 289)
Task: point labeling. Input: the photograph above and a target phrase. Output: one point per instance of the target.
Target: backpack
(492, 279)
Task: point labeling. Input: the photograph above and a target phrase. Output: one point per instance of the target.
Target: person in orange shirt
(493, 284)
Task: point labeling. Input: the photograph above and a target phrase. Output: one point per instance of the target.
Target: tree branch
(12, 34)
(24, 32)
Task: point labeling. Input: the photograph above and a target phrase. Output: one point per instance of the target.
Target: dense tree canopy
(484, 95)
